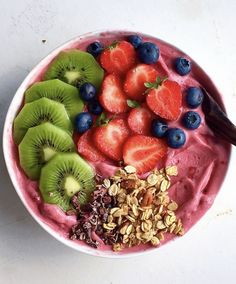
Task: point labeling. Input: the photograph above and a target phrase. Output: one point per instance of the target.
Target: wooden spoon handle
(217, 119)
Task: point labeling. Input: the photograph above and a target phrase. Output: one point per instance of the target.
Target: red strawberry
(110, 138)
(140, 119)
(165, 100)
(88, 150)
(135, 79)
(118, 58)
(112, 97)
(143, 152)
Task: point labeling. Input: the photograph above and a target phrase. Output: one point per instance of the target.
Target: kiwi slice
(75, 67)
(40, 144)
(65, 175)
(58, 91)
(40, 111)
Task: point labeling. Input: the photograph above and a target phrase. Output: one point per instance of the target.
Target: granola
(127, 210)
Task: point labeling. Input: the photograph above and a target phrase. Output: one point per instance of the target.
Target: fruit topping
(95, 107)
(182, 66)
(58, 91)
(143, 152)
(159, 128)
(95, 48)
(64, 176)
(194, 97)
(112, 97)
(135, 79)
(175, 138)
(139, 120)
(83, 122)
(135, 40)
(118, 57)
(75, 67)
(87, 149)
(148, 52)
(109, 138)
(191, 120)
(40, 144)
(87, 92)
(40, 111)
(165, 98)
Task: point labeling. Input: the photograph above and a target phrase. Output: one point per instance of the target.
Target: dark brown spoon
(217, 119)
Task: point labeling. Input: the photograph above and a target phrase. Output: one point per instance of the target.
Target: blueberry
(95, 48)
(175, 138)
(159, 128)
(94, 107)
(182, 66)
(135, 40)
(194, 97)
(83, 122)
(87, 92)
(191, 120)
(148, 52)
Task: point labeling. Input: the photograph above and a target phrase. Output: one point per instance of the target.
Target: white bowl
(7, 147)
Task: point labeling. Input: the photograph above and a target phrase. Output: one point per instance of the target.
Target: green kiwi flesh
(40, 111)
(40, 144)
(75, 67)
(58, 91)
(65, 175)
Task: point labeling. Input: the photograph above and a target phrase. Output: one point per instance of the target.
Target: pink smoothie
(202, 162)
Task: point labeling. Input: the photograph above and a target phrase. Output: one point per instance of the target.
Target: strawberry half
(109, 138)
(135, 79)
(143, 152)
(140, 119)
(87, 150)
(165, 99)
(112, 97)
(118, 58)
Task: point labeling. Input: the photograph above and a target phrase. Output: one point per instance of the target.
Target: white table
(206, 31)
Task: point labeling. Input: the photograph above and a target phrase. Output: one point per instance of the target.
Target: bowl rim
(9, 123)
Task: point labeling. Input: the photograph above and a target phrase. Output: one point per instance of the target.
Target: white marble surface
(205, 30)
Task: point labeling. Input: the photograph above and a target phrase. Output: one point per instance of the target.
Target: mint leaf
(133, 103)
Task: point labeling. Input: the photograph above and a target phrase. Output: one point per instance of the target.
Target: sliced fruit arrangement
(75, 67)
(40, 144)
(64, 176)
(113, 99)
(58, 91)
(40, 111)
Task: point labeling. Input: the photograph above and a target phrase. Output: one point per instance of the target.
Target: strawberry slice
(109, 138)
(112, 97)
(143, 152)
(140, 119)
(87, 150)
(135, 79)
(118, 58)
(165, 99)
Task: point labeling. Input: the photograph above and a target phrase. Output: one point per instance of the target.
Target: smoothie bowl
(107, 146)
